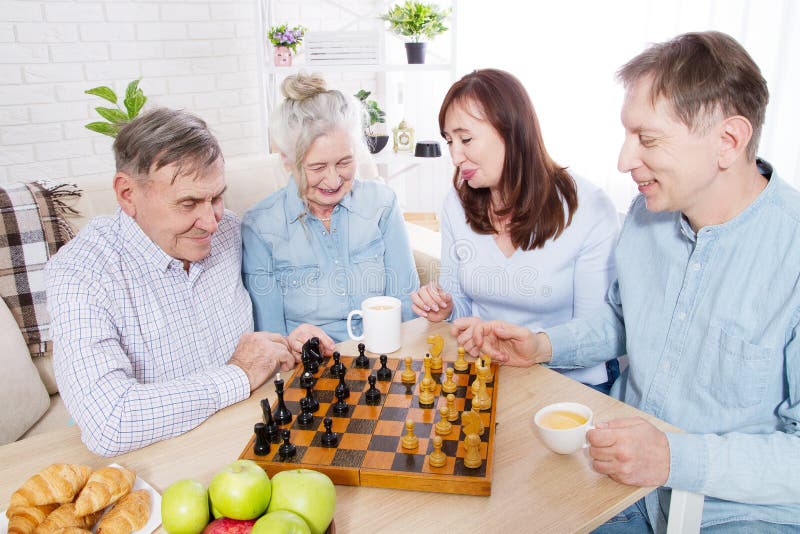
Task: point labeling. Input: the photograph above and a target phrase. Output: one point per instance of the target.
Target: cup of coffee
(562, 426)
(381, 318)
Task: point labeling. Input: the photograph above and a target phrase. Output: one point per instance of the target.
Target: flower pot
(282, 56)
(376, 143)
(415, 53)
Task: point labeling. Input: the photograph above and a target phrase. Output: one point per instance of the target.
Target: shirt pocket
(736, 372)
(300, 288)
(369, 268)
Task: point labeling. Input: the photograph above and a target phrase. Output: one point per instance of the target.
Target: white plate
(155, 508)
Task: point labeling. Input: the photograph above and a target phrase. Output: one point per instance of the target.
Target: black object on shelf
(427, 149)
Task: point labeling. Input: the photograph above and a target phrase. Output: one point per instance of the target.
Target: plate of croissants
(76, 499)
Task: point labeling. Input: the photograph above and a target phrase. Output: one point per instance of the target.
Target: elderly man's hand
(259, 354)
(510, 344)
(462, 330)
(303, 333)
(631, 451)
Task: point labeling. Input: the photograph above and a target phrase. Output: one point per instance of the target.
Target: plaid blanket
(32, 228)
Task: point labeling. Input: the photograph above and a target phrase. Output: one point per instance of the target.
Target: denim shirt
(298, 272)
(709, 321)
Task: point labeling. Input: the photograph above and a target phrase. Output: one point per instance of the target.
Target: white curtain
(566, 53)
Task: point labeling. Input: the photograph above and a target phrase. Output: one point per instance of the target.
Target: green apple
(281, 522)
(308, 493)
(240, 490)
(184, 507)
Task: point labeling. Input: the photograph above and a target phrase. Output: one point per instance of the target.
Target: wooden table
(533, 489)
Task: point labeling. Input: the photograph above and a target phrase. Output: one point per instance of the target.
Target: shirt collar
(296, 206)
(145, 247)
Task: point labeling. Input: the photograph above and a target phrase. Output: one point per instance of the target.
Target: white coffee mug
(562, 426)
(381, 318)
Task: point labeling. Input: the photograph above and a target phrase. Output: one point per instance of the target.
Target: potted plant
(373, 114)
(416, 20)
(116, 117)
(285, 40)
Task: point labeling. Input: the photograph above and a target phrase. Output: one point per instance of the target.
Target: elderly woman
(522, 239)
(318, 247)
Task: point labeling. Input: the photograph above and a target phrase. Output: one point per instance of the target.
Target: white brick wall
(200, 56)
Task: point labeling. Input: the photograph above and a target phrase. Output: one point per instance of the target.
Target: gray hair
(164, 136)
(311, 110)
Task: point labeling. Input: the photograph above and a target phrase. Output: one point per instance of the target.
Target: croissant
(65, 516)
(23, 519)
(106, 486)
(72, 530)
(58, 483)
(129, 514)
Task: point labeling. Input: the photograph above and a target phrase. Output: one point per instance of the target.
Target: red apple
(281, 522)
(310, 494)
(241, 490)
(226, 525)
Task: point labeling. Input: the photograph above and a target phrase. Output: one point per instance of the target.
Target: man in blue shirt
(706, 303)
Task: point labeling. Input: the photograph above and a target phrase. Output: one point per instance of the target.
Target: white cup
(563, 440)
(381, 318)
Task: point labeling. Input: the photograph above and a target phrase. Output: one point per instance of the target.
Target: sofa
(36, 406)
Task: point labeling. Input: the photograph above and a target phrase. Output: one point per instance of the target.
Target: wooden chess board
(369, 451)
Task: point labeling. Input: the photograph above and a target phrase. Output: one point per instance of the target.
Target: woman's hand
(432, 302)
(303, 333)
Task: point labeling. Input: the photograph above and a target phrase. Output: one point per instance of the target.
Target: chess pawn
(306, 417)
(362, 362)
(372, 396)
(329, 438)
(384, 373)
(487, 363)
(461, 364)
(449, 385)
(452, 413)
(443, 427)
(342, 386)
(426, 363)
(472, 456)
(408, 376)
(409, 440)
(426, 396)
(437, 458)
(483, 393)
(287, 450)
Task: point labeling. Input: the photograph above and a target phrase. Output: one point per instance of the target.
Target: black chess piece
(337, 364)
(306, 417)
(342, 385)
(329, 438)
(287, 450)
(384, 373)
(340, 407)
(282, 415)
(271, 426)
(307, 381)
(309, 358)
(261, 446)
(315, 350)
(372, 396)
(362, 362)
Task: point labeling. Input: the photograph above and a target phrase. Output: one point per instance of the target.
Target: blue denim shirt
(709, 321)
(298, 272)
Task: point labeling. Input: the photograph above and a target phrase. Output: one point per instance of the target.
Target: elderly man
(151, 325)
(706, 304)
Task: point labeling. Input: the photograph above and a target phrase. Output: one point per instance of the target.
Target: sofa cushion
(23, 398)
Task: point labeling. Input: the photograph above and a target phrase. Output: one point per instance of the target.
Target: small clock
(403, 138)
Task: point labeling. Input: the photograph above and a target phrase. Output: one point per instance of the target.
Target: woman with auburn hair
(523, 240)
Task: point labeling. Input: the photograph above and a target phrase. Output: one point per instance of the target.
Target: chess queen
(315, 249)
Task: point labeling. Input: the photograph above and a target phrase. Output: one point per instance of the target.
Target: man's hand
(259, 354)
(462, 330)
(303, 333)
(631, 451)
(510, 344)
(432, 302)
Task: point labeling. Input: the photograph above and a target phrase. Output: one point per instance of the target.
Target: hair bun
(301, 86)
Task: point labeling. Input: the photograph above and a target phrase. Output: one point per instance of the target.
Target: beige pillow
(23, 397)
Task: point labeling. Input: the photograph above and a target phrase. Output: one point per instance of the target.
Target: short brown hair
(699, 73)
(164, 136)
(539, 195)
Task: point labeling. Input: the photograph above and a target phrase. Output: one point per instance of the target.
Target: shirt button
(696, 266)
(682, 316)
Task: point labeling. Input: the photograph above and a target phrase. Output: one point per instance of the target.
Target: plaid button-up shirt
(140, 345)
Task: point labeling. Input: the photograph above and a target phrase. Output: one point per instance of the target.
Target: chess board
(369, 452)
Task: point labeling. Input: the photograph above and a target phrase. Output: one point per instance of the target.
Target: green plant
(116, 117)
(416, 20)
(374, 114)
(282, 35)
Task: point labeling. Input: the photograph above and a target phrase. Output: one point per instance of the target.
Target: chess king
(122, 353)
